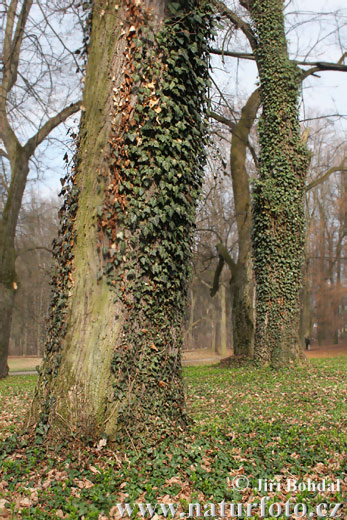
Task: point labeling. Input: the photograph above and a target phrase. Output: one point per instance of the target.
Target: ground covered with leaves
(253, 423)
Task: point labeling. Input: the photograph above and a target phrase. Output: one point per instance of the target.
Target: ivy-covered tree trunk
(279, 222)
(113, 362)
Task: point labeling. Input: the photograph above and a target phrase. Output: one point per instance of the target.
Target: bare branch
(210, 231)
(8, 136)
(325, 176)
(3, 153)
(222, 119)
(238, 23)
(11, 58)
(324, 65)
(316, 66)
(241, 55)
(52, 123)
(223, 252)
(222, 95)
(8, 31)
(215, 286)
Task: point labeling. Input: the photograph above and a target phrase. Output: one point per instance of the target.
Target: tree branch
(241, 55)
(215, 285)
(8, 31)
(223, 252)
(3, 153)
(221, 119)
(8, 136)
(324, 65)
(238, 23)
(316, 66)
(11, 58)
(326, 175)
(52, 123)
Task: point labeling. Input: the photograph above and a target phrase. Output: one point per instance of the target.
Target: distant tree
(279, 221)
(37, 224)
(29, 66)
(241, 269)
(263, 26)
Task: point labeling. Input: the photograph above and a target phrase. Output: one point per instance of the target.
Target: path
(207, 357)
(189, 358)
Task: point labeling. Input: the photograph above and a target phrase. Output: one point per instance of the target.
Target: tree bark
(306, 311)
(242, 284)
(242, 289)
(8, 277)
(223, 322)
(279, 223)
(113, 362)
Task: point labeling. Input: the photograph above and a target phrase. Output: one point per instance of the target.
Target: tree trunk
(279, 221)
(223, 321)
(8, 277)
(190, 334)
(306, 311)
(242, 309)
(113, 362)
(6, 307)
(213, 329)
(242, 285)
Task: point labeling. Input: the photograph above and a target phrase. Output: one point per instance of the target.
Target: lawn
(280, 427)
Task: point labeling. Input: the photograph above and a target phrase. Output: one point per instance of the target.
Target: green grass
(258, 423)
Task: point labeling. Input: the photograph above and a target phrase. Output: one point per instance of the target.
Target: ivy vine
(279, 223)
(146, 223)
(156, 159)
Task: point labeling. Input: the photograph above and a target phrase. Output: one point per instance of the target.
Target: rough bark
(7, 291)
(112, 363)
(242, 289)
(279, 223)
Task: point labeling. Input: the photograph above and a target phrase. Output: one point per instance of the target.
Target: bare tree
(37, 225)
(35, 64)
